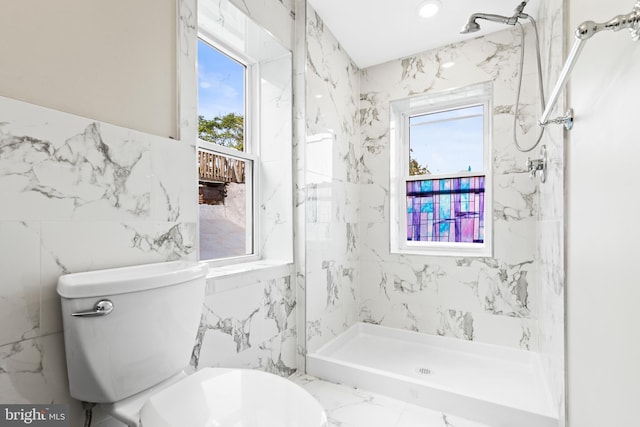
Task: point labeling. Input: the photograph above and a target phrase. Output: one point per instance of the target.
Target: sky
(445, 145)
(220, 83)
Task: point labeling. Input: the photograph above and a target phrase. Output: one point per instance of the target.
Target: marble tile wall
(276, 16)
(492, 300)
(82, 195)
(299, 174)
(253, 326)
(275, 181)
(331, 185)
(550, 235)
(77, 195)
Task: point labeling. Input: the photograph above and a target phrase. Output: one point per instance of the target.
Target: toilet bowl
(230, 398)
(129, 333)
(221, 397)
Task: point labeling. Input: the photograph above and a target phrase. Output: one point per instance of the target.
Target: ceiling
(377, 31)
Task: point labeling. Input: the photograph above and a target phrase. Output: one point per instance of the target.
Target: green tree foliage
(416, 168)
(226, 130)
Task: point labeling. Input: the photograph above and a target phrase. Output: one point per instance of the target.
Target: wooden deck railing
(218, 168)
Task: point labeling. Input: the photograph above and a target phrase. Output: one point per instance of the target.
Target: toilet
(129, 333)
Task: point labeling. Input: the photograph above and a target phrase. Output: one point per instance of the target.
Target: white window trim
(251, 153)
(401, 111)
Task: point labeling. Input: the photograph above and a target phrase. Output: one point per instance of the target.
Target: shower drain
(424, 371)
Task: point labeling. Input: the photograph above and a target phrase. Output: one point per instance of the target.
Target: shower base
(498, 386)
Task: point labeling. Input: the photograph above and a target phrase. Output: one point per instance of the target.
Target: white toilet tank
(128, 329)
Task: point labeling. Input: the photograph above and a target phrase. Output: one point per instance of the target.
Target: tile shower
(513, 299)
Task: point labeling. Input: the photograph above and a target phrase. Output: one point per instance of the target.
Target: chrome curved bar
(584, 32)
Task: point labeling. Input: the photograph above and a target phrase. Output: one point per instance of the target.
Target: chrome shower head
(471, 26)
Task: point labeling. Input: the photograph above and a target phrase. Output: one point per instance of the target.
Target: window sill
(229, 277)
(446, 252)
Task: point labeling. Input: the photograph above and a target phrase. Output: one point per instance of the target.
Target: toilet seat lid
(217, 397)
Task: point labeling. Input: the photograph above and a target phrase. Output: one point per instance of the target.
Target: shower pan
(491, 384)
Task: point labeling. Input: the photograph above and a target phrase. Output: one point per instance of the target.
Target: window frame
(250, 154)
(401, 112)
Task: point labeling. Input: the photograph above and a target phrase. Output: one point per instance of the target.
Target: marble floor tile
(351, 407)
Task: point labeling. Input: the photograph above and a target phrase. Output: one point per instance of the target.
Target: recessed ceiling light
(429, 8)
(448, 64)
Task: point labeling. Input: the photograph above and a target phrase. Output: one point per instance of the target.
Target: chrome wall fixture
(538, 166)
(584, 32)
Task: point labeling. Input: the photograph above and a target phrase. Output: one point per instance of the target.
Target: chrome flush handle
(102, 308)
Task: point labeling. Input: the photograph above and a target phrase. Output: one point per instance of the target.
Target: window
(441, 173)
(263, 66)
(226, 163)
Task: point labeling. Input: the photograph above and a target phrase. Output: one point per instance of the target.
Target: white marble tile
(415, 416)
(502, 288)
(252, 327)
(276, 356)
(237, 26)
(350, 407)
(275, 210)
(514, 197)
(550, 237)
(331, 177)
(58, 166)
(332, 289)
(300, 182)
(188, 81)
(173, 195)
(275, 15)
(276, 153)
(506, 331)
(374, 203)
(34, 370)
(20, 290)
(228, 318)
(375, 243)
(276, 94)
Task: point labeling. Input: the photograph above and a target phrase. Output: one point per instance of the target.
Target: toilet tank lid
(129, 279)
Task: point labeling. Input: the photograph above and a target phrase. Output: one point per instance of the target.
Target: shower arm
(509, 20)
(584, 32)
